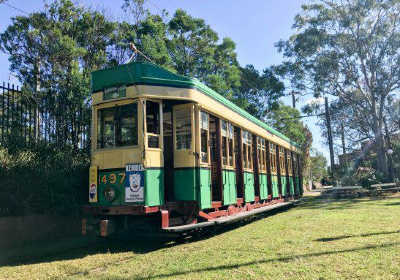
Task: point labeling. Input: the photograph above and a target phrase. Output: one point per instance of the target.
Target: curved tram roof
(144, 73)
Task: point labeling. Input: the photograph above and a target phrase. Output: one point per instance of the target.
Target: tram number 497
(113, 177)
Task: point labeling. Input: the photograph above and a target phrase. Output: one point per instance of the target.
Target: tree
(318, 166)
(258, 92)
(53, 53)
(351, 50)
(286, 120)
(194, 50)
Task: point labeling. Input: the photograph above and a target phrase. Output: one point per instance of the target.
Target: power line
(300, 117)
(166, 16)
(18, 9)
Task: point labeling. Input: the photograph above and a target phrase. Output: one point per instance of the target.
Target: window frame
(207, 138)
(229, 135)
(247, 141)
(262, 156)
(190, 107)
(289, 161)
(282, 162)
(146, 134)
(111, 105)
(295, 166)
(273, 158)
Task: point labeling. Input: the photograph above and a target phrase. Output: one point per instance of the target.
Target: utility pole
(330, 140)
(389, 144)
(343, 144)
(36, 99)
(293, 99)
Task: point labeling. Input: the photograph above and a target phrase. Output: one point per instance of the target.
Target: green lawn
(319, 239)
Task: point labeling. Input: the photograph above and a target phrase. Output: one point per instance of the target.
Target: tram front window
(117, 126)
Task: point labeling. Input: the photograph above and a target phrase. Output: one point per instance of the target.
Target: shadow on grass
(117, 244)
(393, 204)
(327, 239)
(329, 203)
(257, 262)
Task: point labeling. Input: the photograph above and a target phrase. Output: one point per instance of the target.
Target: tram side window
(261, 154)
(230, 145)
(117, 126)
(204, 136)
(183, 132)
(224, 146)
(247, 158)
(272, 150)
(153, 124)
(295, 164)
(282, 160)
(289, 163)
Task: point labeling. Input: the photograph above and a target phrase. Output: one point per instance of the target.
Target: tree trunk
(380, 148)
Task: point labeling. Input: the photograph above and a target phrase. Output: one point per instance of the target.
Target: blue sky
(254, 25)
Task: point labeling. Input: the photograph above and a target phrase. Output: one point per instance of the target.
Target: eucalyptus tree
(351, 50)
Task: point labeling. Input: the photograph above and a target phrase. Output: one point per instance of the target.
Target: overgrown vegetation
(42, 179)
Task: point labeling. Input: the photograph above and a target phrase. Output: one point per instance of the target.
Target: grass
(319, 239)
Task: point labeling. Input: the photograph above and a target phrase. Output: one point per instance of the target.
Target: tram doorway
(216, 160)
(168, 152)
(239, 163)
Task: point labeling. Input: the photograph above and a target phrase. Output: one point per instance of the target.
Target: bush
(370, 177)
(44, 179)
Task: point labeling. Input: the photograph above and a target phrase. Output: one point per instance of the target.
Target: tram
(169, 151)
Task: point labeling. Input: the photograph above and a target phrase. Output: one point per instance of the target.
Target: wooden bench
(381, 188)
(344, 191)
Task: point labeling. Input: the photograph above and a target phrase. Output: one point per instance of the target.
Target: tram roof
(145, 73)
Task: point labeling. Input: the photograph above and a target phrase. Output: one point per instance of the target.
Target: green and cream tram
(168, 148)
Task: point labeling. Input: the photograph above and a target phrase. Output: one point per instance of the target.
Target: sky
(255, 26)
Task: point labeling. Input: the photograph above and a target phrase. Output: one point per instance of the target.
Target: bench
(344, 191)
(387, 187)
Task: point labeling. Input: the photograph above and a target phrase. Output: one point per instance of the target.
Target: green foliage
(188, 46)
(258, 92)
(46, 179)
(370, 177)
(286, 120)
(396, 159)
(349, 49)
(318, 166)
(53, 53)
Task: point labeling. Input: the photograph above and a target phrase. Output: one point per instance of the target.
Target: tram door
(239, 164)
(184, 152)
(216, 160)
(168, 152)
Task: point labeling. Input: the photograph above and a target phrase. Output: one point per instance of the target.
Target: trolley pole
(330, 141)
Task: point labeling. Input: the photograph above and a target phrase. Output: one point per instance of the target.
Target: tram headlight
(109, 194)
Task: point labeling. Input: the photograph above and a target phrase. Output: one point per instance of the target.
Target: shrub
(44, 179)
